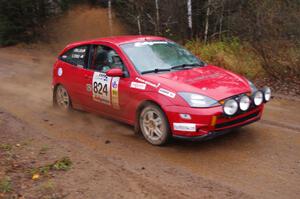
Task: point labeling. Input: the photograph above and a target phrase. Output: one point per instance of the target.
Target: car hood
(211, 81)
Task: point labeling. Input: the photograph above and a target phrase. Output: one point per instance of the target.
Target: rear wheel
(154, 125)
(62, 99)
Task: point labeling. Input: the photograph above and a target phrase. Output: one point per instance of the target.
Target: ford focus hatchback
(156, 86)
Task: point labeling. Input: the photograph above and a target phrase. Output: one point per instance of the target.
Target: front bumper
(211, 134)
(208, 122)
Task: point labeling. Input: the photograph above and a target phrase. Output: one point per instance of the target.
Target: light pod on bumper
(267, 94)
(244, 103)
(230, 107)
(258, 98)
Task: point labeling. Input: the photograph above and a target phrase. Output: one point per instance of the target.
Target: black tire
(155, 128)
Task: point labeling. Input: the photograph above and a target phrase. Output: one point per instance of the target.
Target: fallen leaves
(35, 176)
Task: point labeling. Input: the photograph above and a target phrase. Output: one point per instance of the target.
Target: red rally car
(155, 85)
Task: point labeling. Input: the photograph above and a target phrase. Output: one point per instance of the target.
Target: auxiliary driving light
(244, 103)
(267, 94)
(258, 98)
(230, 107)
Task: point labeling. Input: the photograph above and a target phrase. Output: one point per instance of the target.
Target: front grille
(233, 122)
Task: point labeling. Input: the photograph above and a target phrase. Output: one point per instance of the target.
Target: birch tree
(110, 22)
(157, 25)
(138, 19)
(207, 21)
(190, 17)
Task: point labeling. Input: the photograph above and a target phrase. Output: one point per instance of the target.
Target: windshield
(159, 56)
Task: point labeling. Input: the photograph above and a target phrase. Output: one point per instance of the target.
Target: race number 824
(100, 88)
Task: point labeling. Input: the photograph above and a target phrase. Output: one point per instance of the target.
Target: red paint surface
(211, 81)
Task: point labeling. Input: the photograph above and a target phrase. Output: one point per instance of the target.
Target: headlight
(267, 94)
(197, 100)
(244, 103)
(252, 86)
(230, 107)
(258, 98)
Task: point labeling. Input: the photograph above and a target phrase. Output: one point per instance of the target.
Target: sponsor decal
(138, 85)
(148, 43)
(147, 82)
(184, 127)
(115, 92)
(79, 50)
(101, 88)
(60, 72)
(77, 56)
(166, 93)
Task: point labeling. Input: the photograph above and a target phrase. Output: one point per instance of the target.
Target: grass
(6, 147)
(63, 164)
(5, 185)
(231, 55)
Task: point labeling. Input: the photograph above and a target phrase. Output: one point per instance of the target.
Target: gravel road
(261, 160)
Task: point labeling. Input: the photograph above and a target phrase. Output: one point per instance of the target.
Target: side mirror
(115, 72)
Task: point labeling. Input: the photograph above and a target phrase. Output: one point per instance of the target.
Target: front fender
(146, 96)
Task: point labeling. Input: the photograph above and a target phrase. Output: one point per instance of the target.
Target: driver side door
(106, 94)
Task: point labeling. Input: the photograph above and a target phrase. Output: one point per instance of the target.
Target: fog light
(258, 98)
(230, 107)
(185, 116)
(244, 103)
(267, 94)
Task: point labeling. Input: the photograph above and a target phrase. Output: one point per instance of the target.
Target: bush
(281, 59)
(231, 55)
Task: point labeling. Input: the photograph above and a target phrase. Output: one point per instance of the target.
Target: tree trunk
(138, 19)
(190, 18)
(157, 17)
(207, 21)
(110, 22)
(221, 21)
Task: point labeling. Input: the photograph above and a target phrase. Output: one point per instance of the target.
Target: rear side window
(76, 56)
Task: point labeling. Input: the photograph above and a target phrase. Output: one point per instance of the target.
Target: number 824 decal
(106, 89)
(101, 88)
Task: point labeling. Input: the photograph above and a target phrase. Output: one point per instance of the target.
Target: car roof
(116, 40)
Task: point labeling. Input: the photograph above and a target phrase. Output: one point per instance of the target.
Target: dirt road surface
(259, 161)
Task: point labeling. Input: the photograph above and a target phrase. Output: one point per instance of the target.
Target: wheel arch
(54, 94)
(141, 106)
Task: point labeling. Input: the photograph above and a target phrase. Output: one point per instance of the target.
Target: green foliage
(19, 19)
(23, 20)
(5, 185)
(231, 55)
(6, 147)
(63, 164)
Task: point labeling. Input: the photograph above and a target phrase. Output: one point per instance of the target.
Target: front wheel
(62, 98)
(154, 125)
